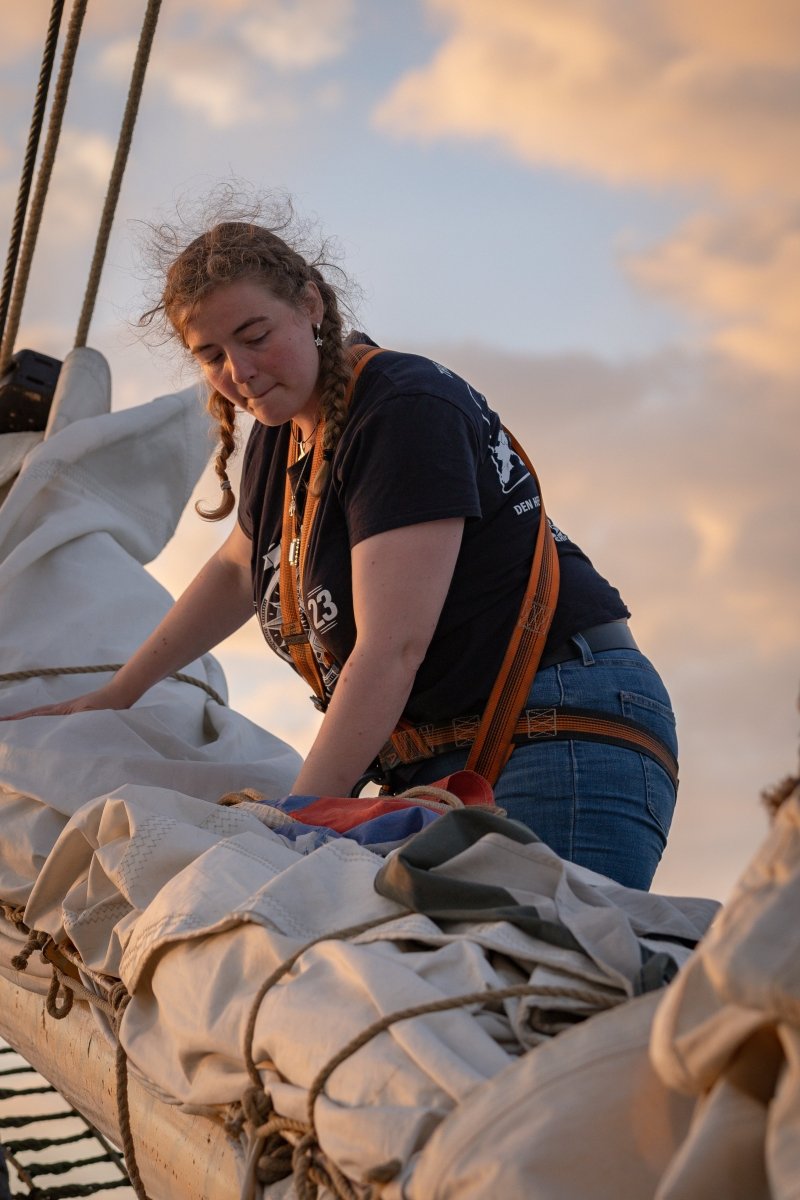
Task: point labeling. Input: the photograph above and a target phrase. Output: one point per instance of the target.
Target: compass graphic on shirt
(270, 612)
(323, 611)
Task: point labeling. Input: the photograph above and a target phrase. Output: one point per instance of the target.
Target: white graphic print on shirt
(511, 470)
(323, 614)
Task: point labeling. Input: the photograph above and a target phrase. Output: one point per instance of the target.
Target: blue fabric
(603, 807)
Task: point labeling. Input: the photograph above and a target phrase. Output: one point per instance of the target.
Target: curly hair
(230, 251)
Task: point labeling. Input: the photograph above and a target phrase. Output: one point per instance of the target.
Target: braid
(334, 372)
(224, 412)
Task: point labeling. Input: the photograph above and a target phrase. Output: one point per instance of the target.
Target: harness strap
(415, 743)
(293, 566)
(492, 746)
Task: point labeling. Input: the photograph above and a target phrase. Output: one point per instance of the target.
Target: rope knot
(257, 1106)
(55, 1009)
(37, 940)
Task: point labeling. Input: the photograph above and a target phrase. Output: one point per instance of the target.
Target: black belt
(613, 635)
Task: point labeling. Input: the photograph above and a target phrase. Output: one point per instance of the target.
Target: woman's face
(258, 351)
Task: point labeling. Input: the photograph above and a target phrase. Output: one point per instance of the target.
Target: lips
(260, 396)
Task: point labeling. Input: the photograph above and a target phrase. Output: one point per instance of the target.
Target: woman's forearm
(366, 706)
(215, 604)
(400, 580)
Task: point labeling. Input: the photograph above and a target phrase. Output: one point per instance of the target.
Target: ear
(312, 303)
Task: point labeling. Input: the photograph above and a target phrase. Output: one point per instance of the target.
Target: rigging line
(115, 182)
(42, 180)
(26, 176)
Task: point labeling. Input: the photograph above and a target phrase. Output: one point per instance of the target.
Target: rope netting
(73, 1160)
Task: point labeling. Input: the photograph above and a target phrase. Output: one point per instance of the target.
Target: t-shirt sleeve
(411, 459)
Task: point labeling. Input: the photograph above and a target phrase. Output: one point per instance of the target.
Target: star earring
(317, 339)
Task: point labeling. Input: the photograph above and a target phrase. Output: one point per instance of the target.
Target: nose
(242, 369)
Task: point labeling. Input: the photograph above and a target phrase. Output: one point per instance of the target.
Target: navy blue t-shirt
(420, 445)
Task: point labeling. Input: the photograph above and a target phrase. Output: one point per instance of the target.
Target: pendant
(294, 551)
(292, 507)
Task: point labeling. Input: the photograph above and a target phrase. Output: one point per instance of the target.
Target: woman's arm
(400, 582)
(215, 604)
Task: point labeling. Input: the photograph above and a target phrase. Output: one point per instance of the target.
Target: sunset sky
(589, 208)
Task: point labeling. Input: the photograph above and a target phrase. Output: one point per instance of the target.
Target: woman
(406, 520)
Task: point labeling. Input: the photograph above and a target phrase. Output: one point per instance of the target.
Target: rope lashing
(267, 1158)
(339, 935)
(29, 162)
(33, 222)
(118, 169)
(120, 998)
(104, 668)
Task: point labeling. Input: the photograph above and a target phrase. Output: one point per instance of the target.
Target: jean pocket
(653, 714)
(660, 720)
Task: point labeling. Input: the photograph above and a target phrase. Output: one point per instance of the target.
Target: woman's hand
(104, 697)
(215, 604)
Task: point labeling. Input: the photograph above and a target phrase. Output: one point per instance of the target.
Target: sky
(589, 208)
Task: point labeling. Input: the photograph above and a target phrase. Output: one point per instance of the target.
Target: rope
(121, 1000)
(249, 1033)
(427, 792)
(435, 1006)
(42, 180)
(310, 1167)
(26, 177)
(120, 160)
(114, 1008)
(104, 668)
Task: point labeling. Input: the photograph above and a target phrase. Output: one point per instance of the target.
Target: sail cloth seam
(36, 208)
(105, 668)
(117, 171)
(29, 161)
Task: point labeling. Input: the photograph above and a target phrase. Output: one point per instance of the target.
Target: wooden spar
(178, 1154)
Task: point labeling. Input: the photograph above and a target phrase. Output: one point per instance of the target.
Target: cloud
(678, 472)
(24, 27)
(296, 37)
(740, 272)
(663, 93)
(201, 78)
(654, 93)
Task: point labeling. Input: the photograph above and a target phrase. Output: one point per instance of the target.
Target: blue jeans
(599, 805)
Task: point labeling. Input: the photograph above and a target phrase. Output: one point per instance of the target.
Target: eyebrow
(239, 329)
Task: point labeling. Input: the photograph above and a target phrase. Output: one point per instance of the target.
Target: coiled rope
(26, 177)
